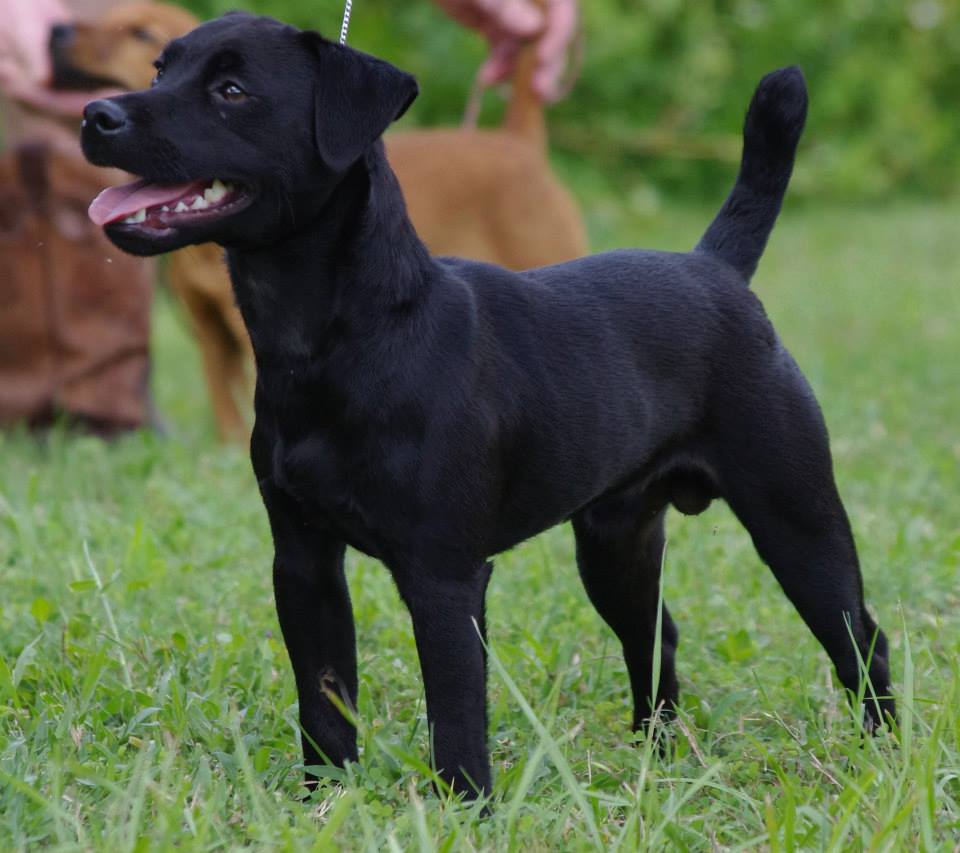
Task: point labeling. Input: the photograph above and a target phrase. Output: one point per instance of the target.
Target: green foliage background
(664, 84)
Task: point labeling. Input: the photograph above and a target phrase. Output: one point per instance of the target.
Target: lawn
(146, 700)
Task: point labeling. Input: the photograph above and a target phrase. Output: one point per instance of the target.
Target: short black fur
(432, 412)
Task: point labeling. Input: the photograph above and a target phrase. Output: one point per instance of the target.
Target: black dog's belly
(351, 527)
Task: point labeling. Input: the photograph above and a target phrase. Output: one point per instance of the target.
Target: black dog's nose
(60, 33)
(105, 116)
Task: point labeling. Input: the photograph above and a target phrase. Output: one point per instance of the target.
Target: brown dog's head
(117, 49)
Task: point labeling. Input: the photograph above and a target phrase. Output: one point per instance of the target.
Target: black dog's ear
(357, 97)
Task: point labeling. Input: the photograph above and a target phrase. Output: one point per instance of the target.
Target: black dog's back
(648, 328)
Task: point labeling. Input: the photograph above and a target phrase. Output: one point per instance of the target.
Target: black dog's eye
(159, 66)
(232, 92)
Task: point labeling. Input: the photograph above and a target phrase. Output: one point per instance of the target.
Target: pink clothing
(29, 109)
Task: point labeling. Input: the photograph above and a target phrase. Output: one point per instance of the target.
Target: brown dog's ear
(357, 97)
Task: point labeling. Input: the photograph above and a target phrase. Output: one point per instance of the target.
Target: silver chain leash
(348, 6)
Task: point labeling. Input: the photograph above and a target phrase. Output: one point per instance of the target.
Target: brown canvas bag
(74, 310)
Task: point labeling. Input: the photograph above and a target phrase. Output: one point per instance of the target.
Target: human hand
(25, 58)
(24, 34)
(507, 24)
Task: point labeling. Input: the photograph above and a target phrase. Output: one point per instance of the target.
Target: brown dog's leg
(223, 364)
(240, 368)
(224, 368)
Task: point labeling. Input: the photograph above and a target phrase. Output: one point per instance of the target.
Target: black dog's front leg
(446, 614)
(313, 606)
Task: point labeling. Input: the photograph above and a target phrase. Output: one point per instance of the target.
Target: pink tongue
(118, 202)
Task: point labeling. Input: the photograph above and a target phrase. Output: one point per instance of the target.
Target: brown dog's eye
(232, 92)
(143, 35)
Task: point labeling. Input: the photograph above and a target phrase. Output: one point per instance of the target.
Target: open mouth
(150, 207)
(70, 78)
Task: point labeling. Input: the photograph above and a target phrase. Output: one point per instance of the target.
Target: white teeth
(211, 195)
(216, 191)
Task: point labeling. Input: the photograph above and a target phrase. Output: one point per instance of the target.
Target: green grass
(146, 700)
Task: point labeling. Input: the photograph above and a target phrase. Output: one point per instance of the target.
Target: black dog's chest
(330, 476)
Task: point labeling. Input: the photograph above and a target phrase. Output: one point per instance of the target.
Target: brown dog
(484, 194)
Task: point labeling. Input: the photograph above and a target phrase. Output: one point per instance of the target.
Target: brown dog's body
(483, 194)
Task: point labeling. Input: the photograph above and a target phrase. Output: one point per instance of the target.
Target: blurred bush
(664, 84)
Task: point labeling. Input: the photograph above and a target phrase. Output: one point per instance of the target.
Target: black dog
(432, 412)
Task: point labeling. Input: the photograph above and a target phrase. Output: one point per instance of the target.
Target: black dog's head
(248, 127)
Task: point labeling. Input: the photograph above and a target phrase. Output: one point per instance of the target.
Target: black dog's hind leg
(313, 605)
(620, 565)
(444, 609)
(776, 474)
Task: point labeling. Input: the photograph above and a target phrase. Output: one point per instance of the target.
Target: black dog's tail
(771, 132)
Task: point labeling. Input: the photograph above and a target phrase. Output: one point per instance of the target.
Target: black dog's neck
(359, 258)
